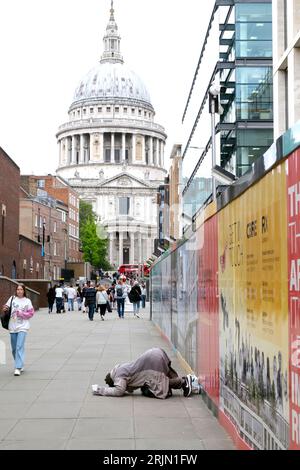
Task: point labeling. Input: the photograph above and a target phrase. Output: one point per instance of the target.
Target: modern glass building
(237, 55)
(246, 85)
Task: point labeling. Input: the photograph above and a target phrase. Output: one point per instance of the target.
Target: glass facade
(251, 95)
(245, 130)
(253, 30)
(254, 93)
(251, 144)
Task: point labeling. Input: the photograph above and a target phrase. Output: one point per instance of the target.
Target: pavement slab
(51, 406)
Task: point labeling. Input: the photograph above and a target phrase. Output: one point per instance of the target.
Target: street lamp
(214, 107)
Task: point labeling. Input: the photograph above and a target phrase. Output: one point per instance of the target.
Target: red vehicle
(129, 269)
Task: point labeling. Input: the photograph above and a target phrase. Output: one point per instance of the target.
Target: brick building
(59, 189)
(31, 262)
(9, 215)
(43, 219)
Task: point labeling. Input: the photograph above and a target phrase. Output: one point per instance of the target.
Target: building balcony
(85, 124)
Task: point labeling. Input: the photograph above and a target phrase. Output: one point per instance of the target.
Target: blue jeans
(91, 308)
(121, 307)
(17, 341)
(71, 304)
(136, 307)
(143, 300)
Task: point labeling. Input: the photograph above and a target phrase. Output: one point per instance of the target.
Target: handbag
(5, 317)
(108, 306)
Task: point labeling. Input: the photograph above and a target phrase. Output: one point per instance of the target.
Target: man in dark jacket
(151, 372)
(90, 299)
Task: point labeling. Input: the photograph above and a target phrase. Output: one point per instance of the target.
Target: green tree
(94, 248)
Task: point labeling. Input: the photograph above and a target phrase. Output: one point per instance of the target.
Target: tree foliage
(94, 248)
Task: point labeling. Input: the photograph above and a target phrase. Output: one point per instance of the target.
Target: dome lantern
(112, 41)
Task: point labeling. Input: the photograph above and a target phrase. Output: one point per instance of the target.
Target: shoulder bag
(5, 317)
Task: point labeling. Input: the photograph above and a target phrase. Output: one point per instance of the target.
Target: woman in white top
(101, 300)
(21, 311)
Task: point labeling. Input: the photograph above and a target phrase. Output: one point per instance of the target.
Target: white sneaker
(95, 388)
(22, 369)
(17, 372)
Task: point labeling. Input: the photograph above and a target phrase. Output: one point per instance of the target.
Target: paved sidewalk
(51, 405)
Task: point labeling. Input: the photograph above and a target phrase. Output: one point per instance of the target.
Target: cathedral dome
(111, 80)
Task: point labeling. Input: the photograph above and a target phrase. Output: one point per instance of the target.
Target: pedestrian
(51, 298)
(21, 311)
(113, 295)
(151, 372)
(143, 295)
(79, 297)
(59, 298)
(90, 299)
(120, 297)
(101, 301)
(71, 295)
(135, 298)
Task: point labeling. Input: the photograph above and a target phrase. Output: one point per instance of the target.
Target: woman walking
(51, 298)
(101, 301)
(21, 311)
(135, 297)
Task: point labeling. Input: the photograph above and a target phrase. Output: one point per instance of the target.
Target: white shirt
(17, 324)
(101, 297)
(71, 293)
(59, 292)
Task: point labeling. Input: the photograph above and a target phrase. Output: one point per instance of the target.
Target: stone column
(112, 148)
(140, 248)
(157, 152)
(91, 147)
(123, 147)
(131, 247)
(73, 158)
(120, 248)
(101, 147)
(111, 243)
(133, 147)
(60, 152)
(150, 150)
(143, 149)
(81, 152)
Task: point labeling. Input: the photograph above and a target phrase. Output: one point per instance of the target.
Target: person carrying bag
(17, 311)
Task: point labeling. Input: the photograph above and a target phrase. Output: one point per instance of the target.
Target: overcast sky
(48, 46)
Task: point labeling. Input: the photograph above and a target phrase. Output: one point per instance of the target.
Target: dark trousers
(121, 307)
(102, 308)
(91, 308)
(50, 305)
(143, 300)
(59, 304)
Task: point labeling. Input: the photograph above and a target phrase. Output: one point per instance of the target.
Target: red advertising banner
(208, 308)
(293, 225)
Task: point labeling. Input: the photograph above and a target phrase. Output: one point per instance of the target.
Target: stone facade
(112, 152)
(43, 218)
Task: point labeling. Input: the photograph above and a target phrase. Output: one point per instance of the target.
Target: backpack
(119, 291)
